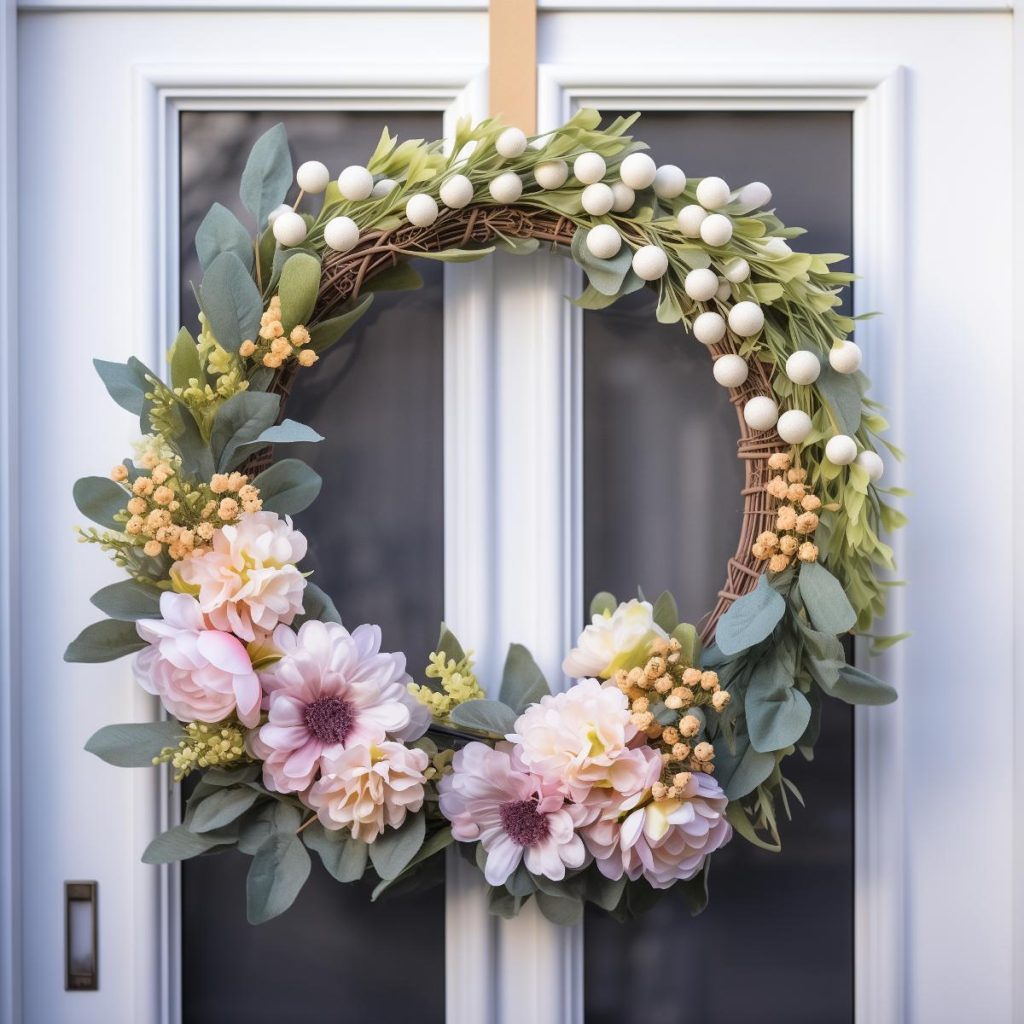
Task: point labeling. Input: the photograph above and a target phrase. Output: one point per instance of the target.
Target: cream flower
(247, 579)
(366, 788)
(579, 739)
(615, 640)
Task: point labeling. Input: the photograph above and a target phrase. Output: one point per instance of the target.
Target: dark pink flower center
(330, 719)
(523, 823)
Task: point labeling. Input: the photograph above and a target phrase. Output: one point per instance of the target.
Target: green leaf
(288, 487)
(277, 873)
(399, 278)
(750, 619)
(843, 393)
(231, 302)
(324, 334)
(267, 175)
(125, 383)
(434, 844)
(605, 892)
(666, 614)
(522, 682)
(298, 288)
(133, 744)
(855, 686)
(317, 606)
(603, 604)
(223, 807)
(449, 646)
(181, 843)
(689, 643)
(342, 855)
(104, 641)
(777, 713)
(184, 361)
(241, 419)
(740, 821)
(128, 601)
(742, 770)
(489, 716)
(560, 909)
(393, 849)
(277, 816)
(286, 432)
(457, 255)
(99, 498)
(827, 605)
(605, 276)
(221, 231)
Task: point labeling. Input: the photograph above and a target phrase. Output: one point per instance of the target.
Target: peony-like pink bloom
(512, 813)
(665, 841)
(366, 788)
(331, 690)
(200, 674)
(619, 639)
(579, 739)
(247, 579)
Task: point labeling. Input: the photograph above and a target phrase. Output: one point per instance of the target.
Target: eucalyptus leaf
(231, 301)
(489, 716)
(750, 619)
(393, 849)
(433, 844)
(133, 744)
(448, 644)
(605, 276)
(241, 419)
(827, 605)
(221, 231)
(125, 383)
(288, 487)
(223, 807)
(855, 686)
(267, 175)
(181, 843)
(666, 613)
(603, 603)
(298, 289)
(844, 393)
(277, 816)
(106, 640)
(128, 601)
(742, 770)
(184, 361)
(522, 682)
(286, 432)
(399, 278)
(100, 498)
(343, 856)
(277, 874)
(689, 643)
(777, 713)
(558, 909)
(317, 605)
(324, 334)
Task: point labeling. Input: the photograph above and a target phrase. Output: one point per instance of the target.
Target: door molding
(875, 96)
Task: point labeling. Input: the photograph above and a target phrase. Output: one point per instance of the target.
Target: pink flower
(579, 739)
(364, 788)
(512, 813)
(248, 579)
(200, 674)
(665, 841)
(330, 691)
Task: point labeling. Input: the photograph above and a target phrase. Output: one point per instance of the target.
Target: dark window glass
(376, 536)
(662, 511)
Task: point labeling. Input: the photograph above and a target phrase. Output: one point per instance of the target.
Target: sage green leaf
(517, 246)
(342, 855)
(125, 382)
(591, 298)
(399, 278)
(277, 874)
(559, 909)
(604, 892)
(288, 487)
(502, 903)
(267, 175)
(286, 432)
(184, 361)
(277, 816)
(298, 288)
(133, 744)
(488, 716)
(223, 807)
(241, 419)
(844, 393)
(742, 770)
(603, 604)
(393, 849)
(827, 605)
(777, 713)
(449, 646)
(99, 498)
(520, 882)
(750, 619)
(221, 231)
(522, 682)
(181, 843)
(231, 776)
(317, 606)
(689, 643)
(666, 613)
(433, 844)
(230, 301)
(740, 821)
(128, 601)
(324, 334)
(855, 686)
(106, 640)
(457, 255)
(696, 889)
(605, 276)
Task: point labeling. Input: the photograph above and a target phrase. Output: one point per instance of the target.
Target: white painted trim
(769, 6)
(876, 97)
(243, 6)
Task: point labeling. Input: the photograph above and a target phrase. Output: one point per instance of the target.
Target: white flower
(579, 739)
(615, 640)
(247, 579)
(365, 788)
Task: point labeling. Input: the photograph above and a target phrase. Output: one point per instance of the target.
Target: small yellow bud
(307, 357)
(246, 349)
(153, 548)
(119, 473)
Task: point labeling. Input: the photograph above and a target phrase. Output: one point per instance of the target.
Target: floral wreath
(309, 737)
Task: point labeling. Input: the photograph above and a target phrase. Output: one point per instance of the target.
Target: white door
(888, 130)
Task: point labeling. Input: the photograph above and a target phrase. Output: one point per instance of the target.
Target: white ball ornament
(794, 426)
(604, 241)
(746, 318)
(716, 229)
(803, 367)
(597, 199)
(709, 328)
(625, 197)
(761, 413)
(383, 188)
(355, 183)
(690, 219)
(506, 188)
(755, 195)
(730, 370)
(872, 463)
(457, 192)
(290, 228)
(845, 357)
(841, 450)
(649, 262)
(551, 173)
(277, 211)
(589, 167)
(737, 270)
(312, 177)
(421, 210)
(713, 193)
(511, 143)
(701, 284)
(669, 181)
(638, 171)
(341, 233)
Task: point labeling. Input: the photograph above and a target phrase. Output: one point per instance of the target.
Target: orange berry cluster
(272, 348)
(796, 517)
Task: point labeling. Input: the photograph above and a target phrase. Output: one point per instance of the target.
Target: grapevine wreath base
(304, 734)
